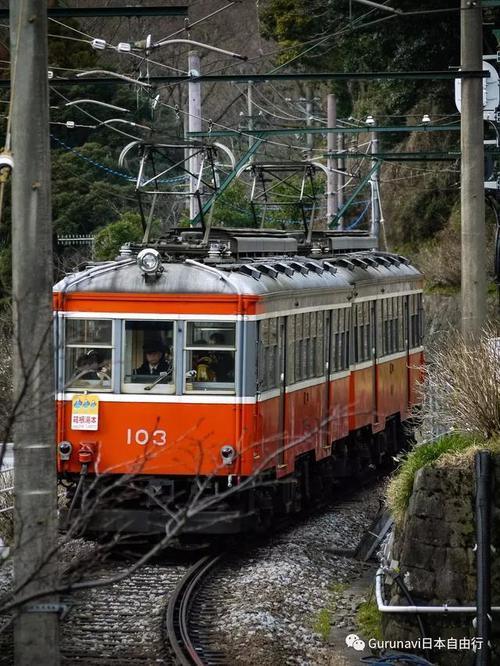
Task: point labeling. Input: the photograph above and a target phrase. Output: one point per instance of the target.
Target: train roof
(244, 262)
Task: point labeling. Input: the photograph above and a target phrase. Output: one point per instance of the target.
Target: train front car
(156, 394)
(224, 387)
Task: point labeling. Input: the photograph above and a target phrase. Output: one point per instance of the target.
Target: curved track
(180, 617)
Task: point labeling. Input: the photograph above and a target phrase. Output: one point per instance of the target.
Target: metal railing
(6, 490)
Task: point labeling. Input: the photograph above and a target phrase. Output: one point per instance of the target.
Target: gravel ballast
(271, 604)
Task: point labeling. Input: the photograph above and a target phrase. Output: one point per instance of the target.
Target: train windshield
(210, 356)
(149, 357)
(89, 354)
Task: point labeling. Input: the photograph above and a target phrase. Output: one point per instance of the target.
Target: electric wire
(188, 27)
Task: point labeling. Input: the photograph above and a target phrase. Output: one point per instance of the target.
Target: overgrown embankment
(432, 552)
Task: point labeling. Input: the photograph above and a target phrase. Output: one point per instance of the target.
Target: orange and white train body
(314, 367)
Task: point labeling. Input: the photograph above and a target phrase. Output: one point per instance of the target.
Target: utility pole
(250, 112)
(194, 125)
(36, 627)
(331, 142)
(341, 166)
(472, 191)
(374, 184)
(309, 118)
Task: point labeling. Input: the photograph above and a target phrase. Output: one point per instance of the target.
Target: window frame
(214, 387)
(90, 388)
(137, 388)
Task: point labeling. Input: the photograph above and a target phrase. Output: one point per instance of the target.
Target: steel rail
(178, 610)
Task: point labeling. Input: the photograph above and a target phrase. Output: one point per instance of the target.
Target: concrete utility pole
(374, 184)
(36, 630)
(250, 112)
(309, 118)
(341, 166)
(194, 125)
(472, 192)
(331, 143)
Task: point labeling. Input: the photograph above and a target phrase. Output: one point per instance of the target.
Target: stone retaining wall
(433, 551)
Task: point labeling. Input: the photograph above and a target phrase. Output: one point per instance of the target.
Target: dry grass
(461, 391)
(461, 394)
(464, 458)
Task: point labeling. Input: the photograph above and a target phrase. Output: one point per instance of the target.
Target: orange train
(246, 375)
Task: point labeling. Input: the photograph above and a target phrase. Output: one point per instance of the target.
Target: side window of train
(340, 338)
(210, 349)
(363, 349)
(334, 340)
(299, 346)
(392, 322)
(319, 345)
(88, 357)
(379, 328)
(401, 323)
(416, 320)
(355, 339)
(413, 321)
(421, 319)
(148, 361)
(268, 359)
(306, 348)
(262, 344)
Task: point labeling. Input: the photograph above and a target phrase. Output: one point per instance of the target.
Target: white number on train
(144, 437)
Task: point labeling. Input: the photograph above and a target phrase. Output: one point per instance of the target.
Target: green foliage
(232, 208)
(360, 42)
(369, 620)
(401, 486)
(109, 239)
(84, 196)
(321, 624)
(66, 50)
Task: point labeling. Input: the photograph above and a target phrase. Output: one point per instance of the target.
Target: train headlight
(149, 261)
(65, 449)
(228, 455)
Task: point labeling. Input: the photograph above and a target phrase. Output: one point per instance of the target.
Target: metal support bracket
(61, 609)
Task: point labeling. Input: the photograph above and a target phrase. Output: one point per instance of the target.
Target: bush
(109, 240)
(461, 389)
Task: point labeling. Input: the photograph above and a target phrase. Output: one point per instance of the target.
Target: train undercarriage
(227, 505)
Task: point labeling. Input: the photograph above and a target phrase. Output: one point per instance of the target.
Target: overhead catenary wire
(188, 27)
(267, 141)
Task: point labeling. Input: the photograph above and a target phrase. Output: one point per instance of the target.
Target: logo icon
(355, 642)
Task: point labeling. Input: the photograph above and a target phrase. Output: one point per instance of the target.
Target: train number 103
(144, 437)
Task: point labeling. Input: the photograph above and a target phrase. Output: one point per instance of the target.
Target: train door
(328, 364)
(406, 335)
(282, 388)
(374, 355)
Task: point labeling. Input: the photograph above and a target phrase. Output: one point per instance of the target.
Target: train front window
(210, 357)
(149, 357)
(88, 354)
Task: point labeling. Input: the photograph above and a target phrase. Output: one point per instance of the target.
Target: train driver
(158, 359)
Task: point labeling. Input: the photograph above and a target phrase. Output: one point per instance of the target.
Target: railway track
(189, 617)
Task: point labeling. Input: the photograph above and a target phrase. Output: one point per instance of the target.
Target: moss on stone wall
(433, 547)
